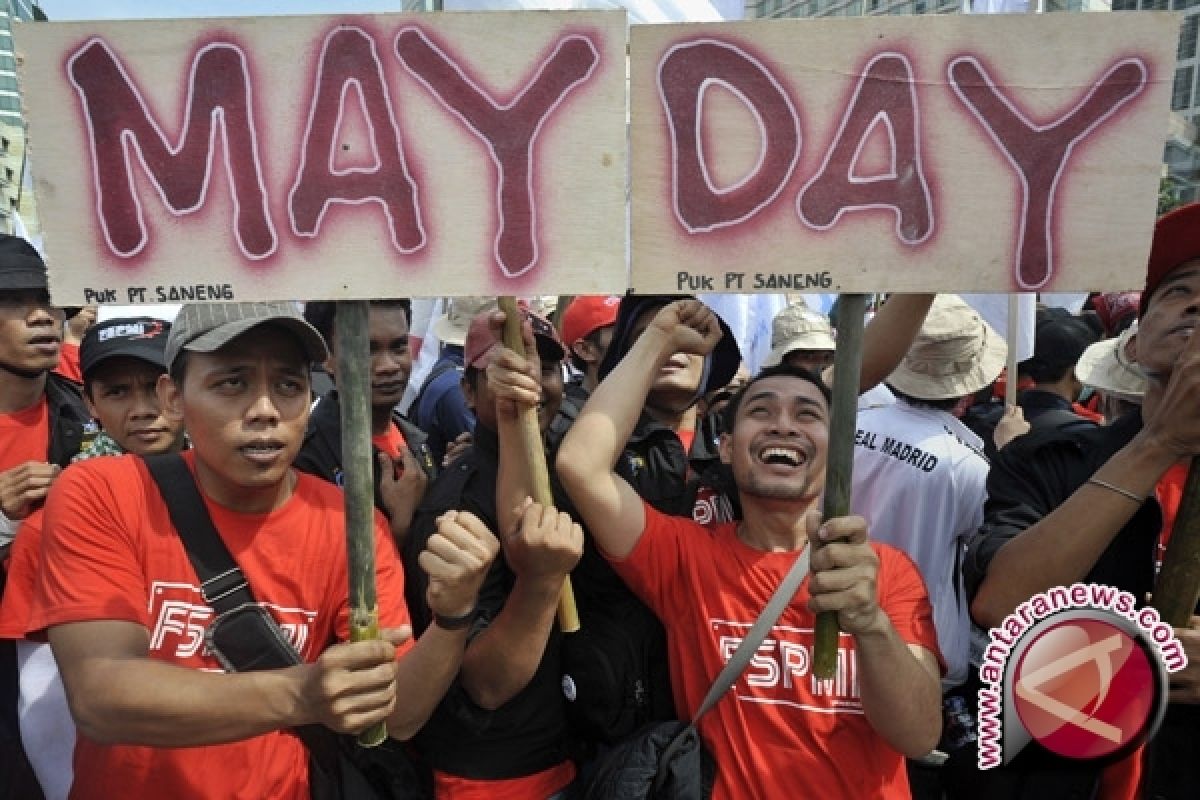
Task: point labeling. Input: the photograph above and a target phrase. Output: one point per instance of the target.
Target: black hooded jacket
(321, 454)
(618, 630)
(69, 419)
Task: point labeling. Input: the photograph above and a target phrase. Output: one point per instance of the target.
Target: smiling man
(126, 617)
(779, 733)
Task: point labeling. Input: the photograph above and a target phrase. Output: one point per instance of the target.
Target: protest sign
(1008, 153)
(329, 157)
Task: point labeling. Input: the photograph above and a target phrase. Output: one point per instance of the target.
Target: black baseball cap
(144, 338)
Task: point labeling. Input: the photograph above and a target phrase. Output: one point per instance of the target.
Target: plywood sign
(329, 157)
(1015, 152)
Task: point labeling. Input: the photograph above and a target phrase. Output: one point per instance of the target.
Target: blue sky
(134, 9)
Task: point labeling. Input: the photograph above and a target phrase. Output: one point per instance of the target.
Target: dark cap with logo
(21, 266)
(144, 338)
(207, 327)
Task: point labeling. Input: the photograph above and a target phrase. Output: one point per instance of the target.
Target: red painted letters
(1039, 153)
(509, 130)
(684, 74)
(219, 103)
(886, 95)
(349, 60)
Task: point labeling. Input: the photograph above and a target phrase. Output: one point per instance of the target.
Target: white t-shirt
(920, 481)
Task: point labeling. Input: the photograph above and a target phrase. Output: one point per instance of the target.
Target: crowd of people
(684, 489)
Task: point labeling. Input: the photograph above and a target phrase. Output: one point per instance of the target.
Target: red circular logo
(1085, 688)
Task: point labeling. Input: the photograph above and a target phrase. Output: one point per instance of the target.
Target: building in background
(1181, 158)
(15, 194)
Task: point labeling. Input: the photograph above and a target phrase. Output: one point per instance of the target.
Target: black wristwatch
(454, 623)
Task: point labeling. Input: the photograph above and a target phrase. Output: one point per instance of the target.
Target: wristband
(454, 623)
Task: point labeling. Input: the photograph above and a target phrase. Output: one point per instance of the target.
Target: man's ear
(170, 398)
(725, 448)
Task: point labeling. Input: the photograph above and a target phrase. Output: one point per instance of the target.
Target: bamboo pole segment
(847, 365)
(535, 452)
(354, 364)
(1013, 333)
(1178, 585)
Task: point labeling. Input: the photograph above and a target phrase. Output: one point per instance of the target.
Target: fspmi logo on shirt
(180, 618)
(780, 672)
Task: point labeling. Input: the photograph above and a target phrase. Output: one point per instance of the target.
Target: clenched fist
(456, 559)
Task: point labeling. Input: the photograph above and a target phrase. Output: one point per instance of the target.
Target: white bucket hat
(1106, 367)
(798, 327)
(955, 354)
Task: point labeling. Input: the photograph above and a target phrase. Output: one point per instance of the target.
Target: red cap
(586, 313)
(1176, 240)
(477, 349)
(1114, 308)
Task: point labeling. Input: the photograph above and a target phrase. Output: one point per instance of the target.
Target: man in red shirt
(122, 607)
(42, 421)
(780, 732)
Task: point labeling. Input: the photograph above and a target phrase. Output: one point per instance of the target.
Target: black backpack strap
(221, 580)
(222, 583)
(439, 369)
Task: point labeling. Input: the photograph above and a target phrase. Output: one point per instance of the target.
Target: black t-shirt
(527, 734)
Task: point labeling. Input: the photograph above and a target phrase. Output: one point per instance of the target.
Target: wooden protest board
(329, 157)
(982, 153)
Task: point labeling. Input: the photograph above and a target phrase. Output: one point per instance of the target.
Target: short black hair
(1059, 341)
(320, 314)
(940, 404)
(729, 415)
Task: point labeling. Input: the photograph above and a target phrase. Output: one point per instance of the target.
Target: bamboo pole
(535, 453)
(1178, 586)
(1014, 333)
(847, 366)
(354, 364)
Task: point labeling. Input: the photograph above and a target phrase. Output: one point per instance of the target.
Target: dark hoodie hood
(719, 367)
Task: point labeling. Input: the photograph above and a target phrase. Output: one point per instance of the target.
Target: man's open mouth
(785, 456)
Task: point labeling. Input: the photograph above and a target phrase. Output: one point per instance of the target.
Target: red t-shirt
(16, 604)
(1169, 493)
(778, 733)
(391, 442)
(24, 435)
(68, 362)
(111, 553)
